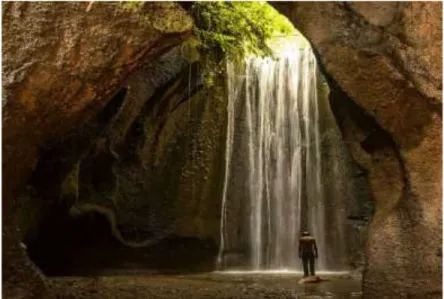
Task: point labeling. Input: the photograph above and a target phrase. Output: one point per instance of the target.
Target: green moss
(165, 17)
(132, 5)
(234, 30)
(189, 50)
(69, 189)
(238, 28)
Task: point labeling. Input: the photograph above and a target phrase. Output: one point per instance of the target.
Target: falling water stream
(273, 154)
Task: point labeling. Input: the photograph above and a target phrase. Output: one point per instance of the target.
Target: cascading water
(273, 185)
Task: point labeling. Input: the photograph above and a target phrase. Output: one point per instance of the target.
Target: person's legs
(305, 264)
(312, 265)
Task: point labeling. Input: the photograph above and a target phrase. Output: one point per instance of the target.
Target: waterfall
(273, 185)
(232, 95)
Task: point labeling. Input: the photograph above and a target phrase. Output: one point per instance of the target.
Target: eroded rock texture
(384, 60)
(138, 184)
(152, 173)
(62, 62)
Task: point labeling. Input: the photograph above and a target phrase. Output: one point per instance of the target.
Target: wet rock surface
(312, 279)
(150, 166)
(218, 286)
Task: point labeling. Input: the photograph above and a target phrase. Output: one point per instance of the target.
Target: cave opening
(163, 181)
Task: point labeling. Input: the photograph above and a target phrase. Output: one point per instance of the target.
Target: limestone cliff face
(149, 164)
(62, 62)
(385, 59)
(166, 165)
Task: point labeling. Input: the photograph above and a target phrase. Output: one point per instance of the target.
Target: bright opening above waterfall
(277, 180)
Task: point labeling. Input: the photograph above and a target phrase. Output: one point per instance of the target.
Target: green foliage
(234, 30)
(132, 5)
(237, 29)
(190, 50)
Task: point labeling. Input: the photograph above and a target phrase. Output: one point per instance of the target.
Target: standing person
(308, 252)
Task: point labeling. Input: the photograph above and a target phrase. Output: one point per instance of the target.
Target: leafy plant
(234, 30)
(238, 28)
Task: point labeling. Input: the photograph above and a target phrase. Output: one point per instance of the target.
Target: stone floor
(211, 285)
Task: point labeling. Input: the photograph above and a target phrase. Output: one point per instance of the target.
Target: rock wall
(384, 60)
(347, 196)
(62, 62)
(148, 164)
(175, 168)
(167, 166)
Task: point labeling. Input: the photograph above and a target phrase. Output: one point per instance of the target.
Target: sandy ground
(212, 285)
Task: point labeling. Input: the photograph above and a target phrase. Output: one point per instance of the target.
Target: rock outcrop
(384, 63)
(62, 62)
(149, 163)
